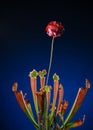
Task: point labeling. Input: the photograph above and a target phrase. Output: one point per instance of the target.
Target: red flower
(54, 29)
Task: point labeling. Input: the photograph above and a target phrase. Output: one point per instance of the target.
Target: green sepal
(33, 73)
(47, 88)
(42, 73)
(55, 77)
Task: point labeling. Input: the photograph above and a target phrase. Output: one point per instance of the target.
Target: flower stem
(51, 55)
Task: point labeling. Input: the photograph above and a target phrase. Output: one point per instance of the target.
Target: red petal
(54, 29)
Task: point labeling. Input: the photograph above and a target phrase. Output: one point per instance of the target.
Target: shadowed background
(24, 46)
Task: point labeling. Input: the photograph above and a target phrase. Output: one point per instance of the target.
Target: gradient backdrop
(24, 46)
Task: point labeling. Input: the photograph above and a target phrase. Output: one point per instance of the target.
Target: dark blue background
(24, 46)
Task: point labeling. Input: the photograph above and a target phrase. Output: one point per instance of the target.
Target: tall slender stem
(51, 55)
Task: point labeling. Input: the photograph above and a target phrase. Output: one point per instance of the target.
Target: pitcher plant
(50, 114)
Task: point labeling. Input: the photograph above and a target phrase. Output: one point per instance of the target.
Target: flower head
(54, 29)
